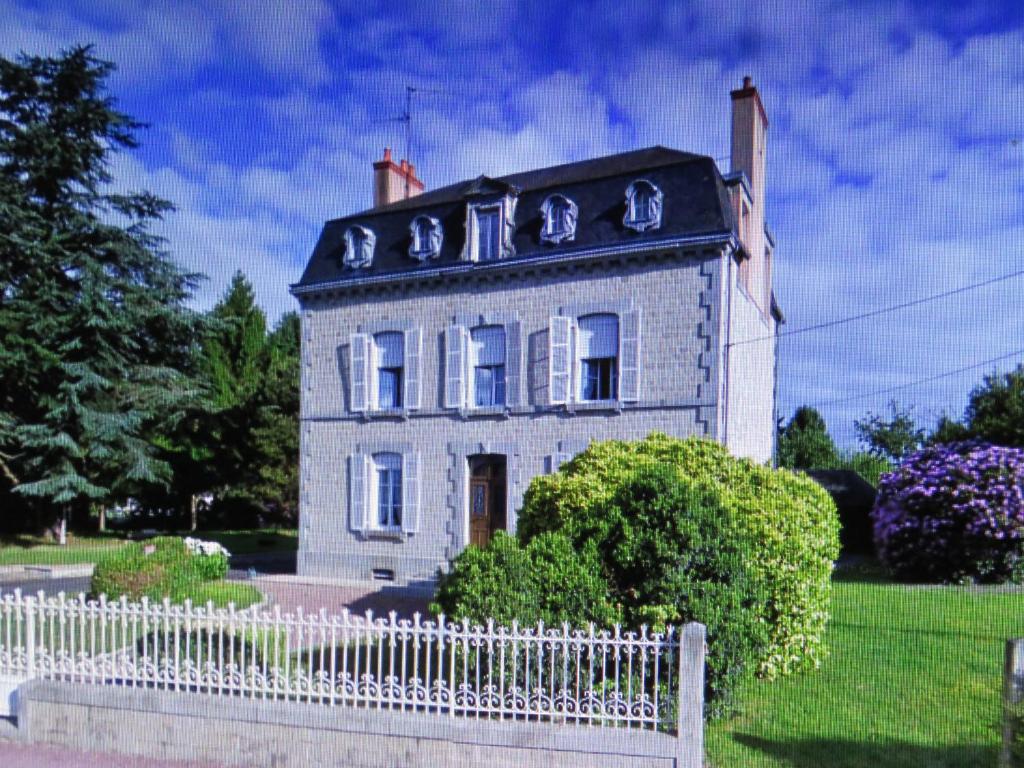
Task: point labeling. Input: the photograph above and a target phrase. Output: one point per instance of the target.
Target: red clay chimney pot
(747, 81)
(387, 154)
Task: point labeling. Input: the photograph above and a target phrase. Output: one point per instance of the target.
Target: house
(458, 342)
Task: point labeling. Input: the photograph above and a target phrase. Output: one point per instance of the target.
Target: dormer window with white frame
(643, 206)
(490, 227)
(359, 244)
(560, 215)
(426, 235)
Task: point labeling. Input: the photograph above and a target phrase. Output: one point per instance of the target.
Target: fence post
(1012, 753)
(30, 636)
(690, 697)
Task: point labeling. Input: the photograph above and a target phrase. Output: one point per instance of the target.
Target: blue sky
(896, 144)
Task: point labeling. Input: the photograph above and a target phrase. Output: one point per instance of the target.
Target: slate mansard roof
(695, 207)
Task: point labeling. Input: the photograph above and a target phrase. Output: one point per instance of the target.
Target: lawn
(31, 550)
(913, 681)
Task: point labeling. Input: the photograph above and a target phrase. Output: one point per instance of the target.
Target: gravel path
(291, 594)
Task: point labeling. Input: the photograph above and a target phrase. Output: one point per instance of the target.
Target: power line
(937, 376)
(872, 313)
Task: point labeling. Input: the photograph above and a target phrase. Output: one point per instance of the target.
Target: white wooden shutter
(513, 363)
(559, 359)
(358, 491)
(359, 372)
(556, 460)
(410, 492)
(455, 349)
(413, 368)
(629, 356)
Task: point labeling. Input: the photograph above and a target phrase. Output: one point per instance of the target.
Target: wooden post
(1012, 753)
(690, 714)
(194, 513)
(103, 518)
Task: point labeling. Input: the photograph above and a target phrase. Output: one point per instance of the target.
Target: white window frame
(578, 359)
(364, 492)
(565, 363)
(431, 249)
(641, 221)
(359, 257)
(552, 230)
(364, 393)
(472, 363)
(375, 368)
(505, 207)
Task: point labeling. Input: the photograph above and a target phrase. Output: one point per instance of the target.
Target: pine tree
(94, 329)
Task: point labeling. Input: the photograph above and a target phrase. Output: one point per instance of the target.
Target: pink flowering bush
(953, 513)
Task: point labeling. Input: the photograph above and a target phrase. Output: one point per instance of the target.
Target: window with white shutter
(411, 492)
(413, 367)
(359, 375)
(456, 349)
(358, 491)
(559, 359)
(598, 353)
(629, 356)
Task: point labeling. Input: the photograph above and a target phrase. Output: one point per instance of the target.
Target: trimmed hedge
(156, 568)
(669, 560)
(953, 513)
(784, 524)
(546, 580)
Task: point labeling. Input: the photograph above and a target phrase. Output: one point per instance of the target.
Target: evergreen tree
(805, 443)
(95, 331)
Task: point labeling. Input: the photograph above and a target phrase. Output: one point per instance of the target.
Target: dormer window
(490, 226)
(560, 214)
(426, 236)
(643, 206)
(359, 242)
(488, 233)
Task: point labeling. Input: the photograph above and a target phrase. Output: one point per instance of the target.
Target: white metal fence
(552, 674)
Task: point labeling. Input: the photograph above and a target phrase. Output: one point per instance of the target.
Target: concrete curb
(20, 572)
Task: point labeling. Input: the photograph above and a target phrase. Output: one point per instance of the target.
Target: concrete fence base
(280, 734)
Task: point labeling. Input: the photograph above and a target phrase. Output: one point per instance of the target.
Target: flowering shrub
(212, 558)
(953, 513)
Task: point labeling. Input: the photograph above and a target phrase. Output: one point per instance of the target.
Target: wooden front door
(486, 498)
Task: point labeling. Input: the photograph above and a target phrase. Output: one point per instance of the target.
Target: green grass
(31, 550)
(224, 592)
(913, 681)
(34, 550)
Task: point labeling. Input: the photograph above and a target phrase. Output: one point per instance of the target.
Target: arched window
(388, 489)
(598, 352)
(359, 243)
(643, 206)
(426, 235)
(487, 343)
(389, 348)
(560, 215)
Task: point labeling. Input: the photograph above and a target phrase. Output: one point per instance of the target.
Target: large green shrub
(156, 568)
(546, 580)
(671, 557)
(784, 523)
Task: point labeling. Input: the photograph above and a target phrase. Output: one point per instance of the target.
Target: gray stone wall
(280, 734)
(679, 297)
(750, 422)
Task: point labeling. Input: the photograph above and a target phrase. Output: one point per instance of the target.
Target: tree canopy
(92, 312)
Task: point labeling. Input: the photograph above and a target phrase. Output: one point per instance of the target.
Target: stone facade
(692, 294)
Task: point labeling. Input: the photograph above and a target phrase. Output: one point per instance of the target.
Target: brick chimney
(394, 182)
(749, 136)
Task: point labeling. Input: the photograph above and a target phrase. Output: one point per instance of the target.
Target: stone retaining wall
(278, 734)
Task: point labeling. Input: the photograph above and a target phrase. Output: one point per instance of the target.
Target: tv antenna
(406, 117)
